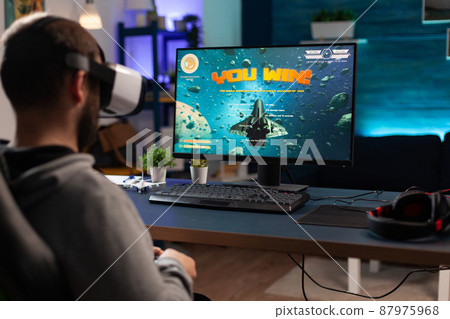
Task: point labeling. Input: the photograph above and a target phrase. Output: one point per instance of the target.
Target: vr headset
(413, 214)
(122, 90)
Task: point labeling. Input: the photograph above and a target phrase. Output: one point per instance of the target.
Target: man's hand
(186, 261)
(157, 251)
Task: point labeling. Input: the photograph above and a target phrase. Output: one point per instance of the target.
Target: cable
(351, 208)
(302, 267)
(303, 278)
(361, 199)
(355, 200)
(378, 192)
(286, 170)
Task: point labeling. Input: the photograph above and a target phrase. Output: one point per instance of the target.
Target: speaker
(413, 214)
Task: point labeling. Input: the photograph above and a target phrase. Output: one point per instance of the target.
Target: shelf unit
(155, 101)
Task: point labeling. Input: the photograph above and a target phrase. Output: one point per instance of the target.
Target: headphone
(122, 90)
(413, 214)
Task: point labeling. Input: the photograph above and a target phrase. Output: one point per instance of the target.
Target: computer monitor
(273, 105)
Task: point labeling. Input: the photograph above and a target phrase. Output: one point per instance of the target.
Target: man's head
(35, 76)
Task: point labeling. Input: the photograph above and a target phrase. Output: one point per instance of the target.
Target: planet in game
(198, 127)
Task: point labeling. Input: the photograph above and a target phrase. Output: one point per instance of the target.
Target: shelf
(141, 31)
(156, 97)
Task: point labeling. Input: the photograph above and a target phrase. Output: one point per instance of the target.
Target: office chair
(28, 267)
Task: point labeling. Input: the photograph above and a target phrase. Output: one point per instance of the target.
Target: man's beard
(87, 125)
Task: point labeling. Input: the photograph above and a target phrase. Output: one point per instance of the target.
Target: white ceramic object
(141, 20)
(332, 30)
(161, 21)
(158, 174)
(199, 175)
(180, 25)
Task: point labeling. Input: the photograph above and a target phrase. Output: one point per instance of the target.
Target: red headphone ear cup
(415, 206)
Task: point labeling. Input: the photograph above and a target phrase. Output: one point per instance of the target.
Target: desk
(281, 233)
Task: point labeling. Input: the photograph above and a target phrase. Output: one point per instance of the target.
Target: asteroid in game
(345, 122)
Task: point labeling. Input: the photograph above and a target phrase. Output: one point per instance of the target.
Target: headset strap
(4, 170)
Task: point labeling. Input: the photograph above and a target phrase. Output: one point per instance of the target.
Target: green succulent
(24, 7)
(325, 15)
(157, 157)
(198, 163)
(193, 30)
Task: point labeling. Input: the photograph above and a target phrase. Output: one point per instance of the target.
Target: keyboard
(231, 197)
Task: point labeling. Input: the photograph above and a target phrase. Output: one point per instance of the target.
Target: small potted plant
(333, 24)
(156, 161)
(199, 171)
(193, 30)
(153, 16)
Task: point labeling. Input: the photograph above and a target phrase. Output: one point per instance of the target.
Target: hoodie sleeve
(103, 246)
(134, 274)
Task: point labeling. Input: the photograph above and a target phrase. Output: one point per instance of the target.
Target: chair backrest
(28, 267)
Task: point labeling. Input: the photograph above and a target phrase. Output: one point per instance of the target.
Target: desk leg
(354, 272)
(444, 285)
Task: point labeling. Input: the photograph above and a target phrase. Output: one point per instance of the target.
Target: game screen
(233, 101)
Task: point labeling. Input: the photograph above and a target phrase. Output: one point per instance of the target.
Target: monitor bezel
(288, 160)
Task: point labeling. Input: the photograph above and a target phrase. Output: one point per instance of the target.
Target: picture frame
(15, 9)
(448, 45)
(435, 11)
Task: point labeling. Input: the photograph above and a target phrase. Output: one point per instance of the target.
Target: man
(90, 224)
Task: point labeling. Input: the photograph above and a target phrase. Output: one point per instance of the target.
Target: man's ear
(78, 86)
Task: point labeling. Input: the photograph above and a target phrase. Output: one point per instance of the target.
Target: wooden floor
(226, 273)
(234, 274)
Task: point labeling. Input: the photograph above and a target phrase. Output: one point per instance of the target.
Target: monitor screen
(266, 101)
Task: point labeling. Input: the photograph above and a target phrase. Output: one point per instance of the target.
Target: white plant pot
(199, 175)
(158, 174)
(332, 30)
(160, 20)
(141, 20)
(180, 25)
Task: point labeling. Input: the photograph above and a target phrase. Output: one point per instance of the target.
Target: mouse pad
(339, 216)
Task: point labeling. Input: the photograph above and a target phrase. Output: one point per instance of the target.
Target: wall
(402, 73)
(256, 22)
(140, 48)
(222, 23)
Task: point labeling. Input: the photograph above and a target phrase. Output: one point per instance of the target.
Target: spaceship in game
(258, 127)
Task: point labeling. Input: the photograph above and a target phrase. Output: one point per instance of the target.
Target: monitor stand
(270, 176)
